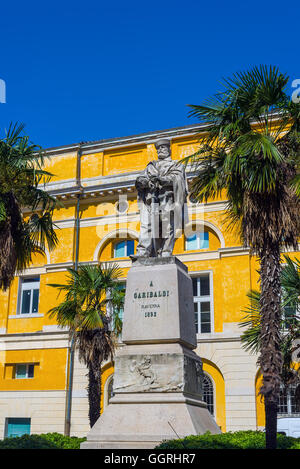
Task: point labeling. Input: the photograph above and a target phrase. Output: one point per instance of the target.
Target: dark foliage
(236, 440)
(22, 235)
(250, 153)
(43, 441)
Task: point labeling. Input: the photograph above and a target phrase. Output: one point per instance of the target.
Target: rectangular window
(17, 427)
(192, 243)
(120, 249)
(291, 316)
(202, 302)
(124, 248)
(197, 241)
(115, 305)
(29, 295)
(287, 401)
(119, 310)
(24, 371)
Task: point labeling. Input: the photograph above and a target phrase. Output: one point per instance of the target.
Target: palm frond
(13, 134)
(250, 338)
(290, 281)
(86, 290)
(21, 171)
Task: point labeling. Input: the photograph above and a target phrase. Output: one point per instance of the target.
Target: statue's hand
(153, 183)
(165, 181)
(141, 182)
(154, 180)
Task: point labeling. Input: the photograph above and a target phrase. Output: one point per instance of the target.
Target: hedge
(43, 441)
(231, 440)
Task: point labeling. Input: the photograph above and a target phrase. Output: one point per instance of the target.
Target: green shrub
(26, 442)
(63, 442)
(230, 440)
(43, 441)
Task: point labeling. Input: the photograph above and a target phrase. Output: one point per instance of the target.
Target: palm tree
(83, 312)
(251, 150)
(21, 174)
(117, 297)
(289, 326)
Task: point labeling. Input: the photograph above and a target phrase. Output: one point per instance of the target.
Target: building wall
(107, 173)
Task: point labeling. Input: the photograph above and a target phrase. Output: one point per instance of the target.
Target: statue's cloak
(174, 171)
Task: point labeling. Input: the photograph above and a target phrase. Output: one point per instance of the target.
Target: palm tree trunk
(271, 423)
(270, 359)
(94, 393)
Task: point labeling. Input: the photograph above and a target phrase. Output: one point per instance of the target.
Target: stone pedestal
(158, 377)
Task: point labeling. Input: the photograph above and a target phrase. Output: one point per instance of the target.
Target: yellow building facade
(98, 221)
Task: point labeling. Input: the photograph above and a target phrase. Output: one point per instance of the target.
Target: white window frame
(125, 249)
(27, 365)
(106, 388)
(197, 233)
(297, 310)
(209, 298)
(286, 317)
(109, 307)
(288, 403)
(23, 286)
(214, 391)
(122, 282)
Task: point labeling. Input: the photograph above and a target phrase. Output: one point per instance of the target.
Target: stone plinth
(158, 377)
(159, 302)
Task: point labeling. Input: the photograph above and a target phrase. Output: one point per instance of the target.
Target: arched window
(108, 390)
(208, 393)
(288, 404)
(124, 248)
(197, 241)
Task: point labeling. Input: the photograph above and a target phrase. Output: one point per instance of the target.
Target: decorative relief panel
(158, 373)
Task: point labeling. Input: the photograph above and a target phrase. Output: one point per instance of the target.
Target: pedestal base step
(146, 425)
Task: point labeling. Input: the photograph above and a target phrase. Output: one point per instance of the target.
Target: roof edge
(131, 139)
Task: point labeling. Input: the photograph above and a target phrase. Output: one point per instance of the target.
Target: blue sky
(77, 71)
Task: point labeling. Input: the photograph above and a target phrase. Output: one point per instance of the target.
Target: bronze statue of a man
(162, 192)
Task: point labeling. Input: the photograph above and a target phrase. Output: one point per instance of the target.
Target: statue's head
(163, 148)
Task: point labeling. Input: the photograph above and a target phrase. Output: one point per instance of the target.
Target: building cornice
(137, 139)
(34, 340)
(112, 143)
(100, 188)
